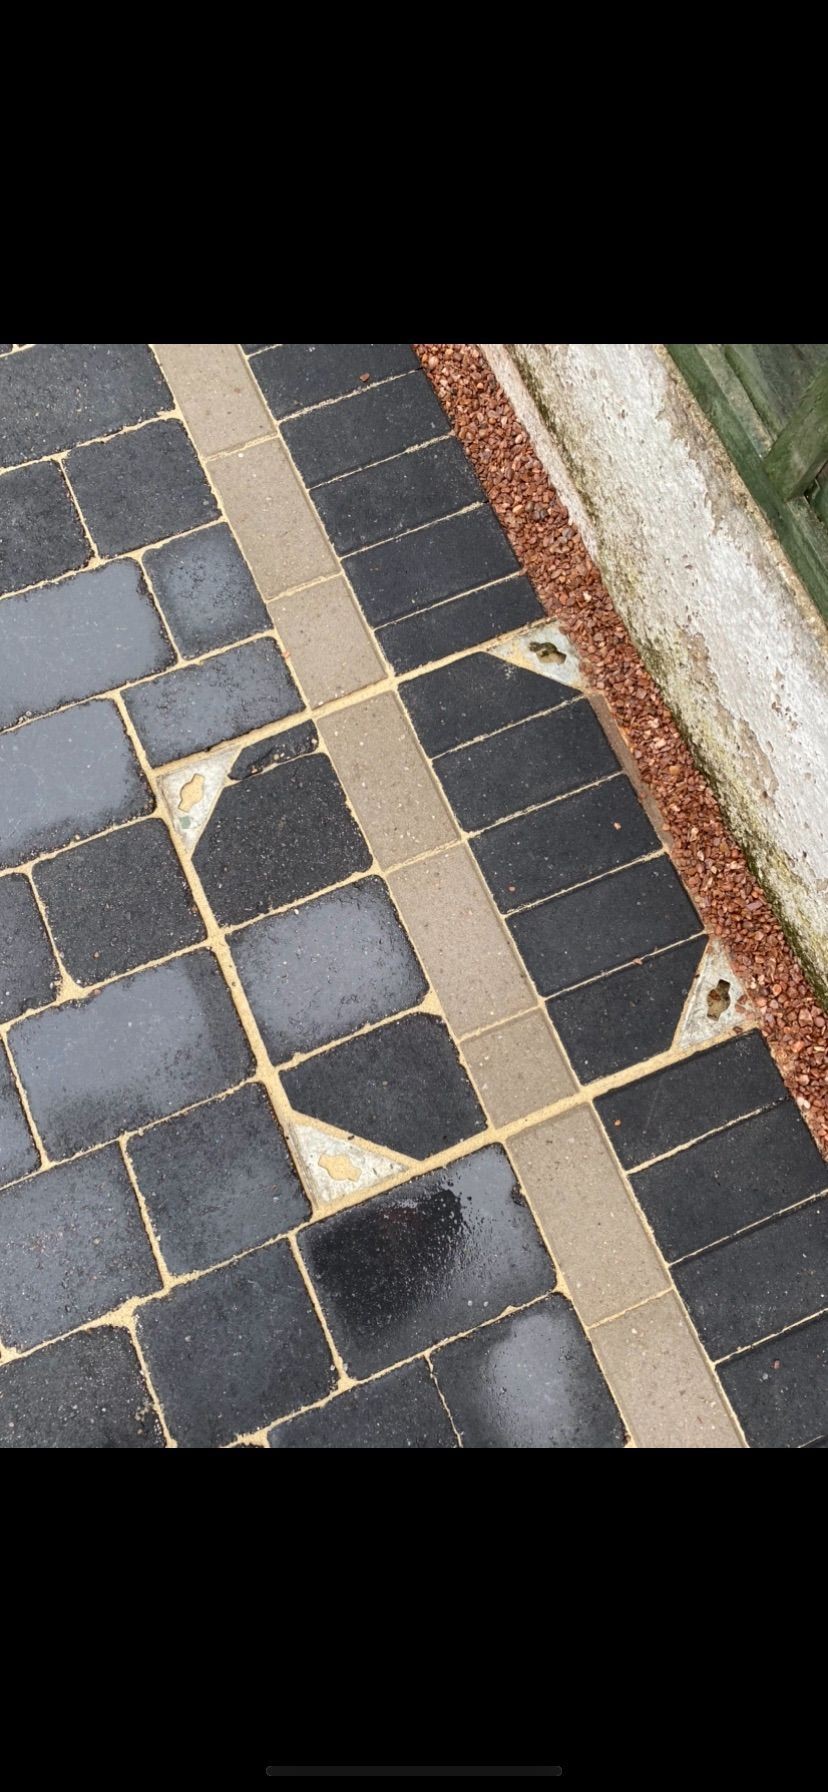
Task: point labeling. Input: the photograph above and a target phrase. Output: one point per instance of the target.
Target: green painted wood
(818, 498)
(801, 451)
(776, 375)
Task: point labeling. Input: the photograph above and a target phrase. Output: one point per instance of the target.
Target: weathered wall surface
(733, 641)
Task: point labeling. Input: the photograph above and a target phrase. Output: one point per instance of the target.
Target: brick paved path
(366, 1077)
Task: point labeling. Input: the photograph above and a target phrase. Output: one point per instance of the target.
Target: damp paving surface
(367, 1077)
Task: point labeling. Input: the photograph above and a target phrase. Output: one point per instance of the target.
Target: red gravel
(731, 904)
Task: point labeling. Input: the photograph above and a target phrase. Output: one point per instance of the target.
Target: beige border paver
(664, 1386)
(461, 940)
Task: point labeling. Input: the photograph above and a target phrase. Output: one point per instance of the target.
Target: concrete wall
(732, 639)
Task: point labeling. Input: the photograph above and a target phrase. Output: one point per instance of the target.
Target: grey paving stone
(118, 902)
(529, 1383)
(400, 1411)
(564, 843)
(140, 487)
(218, 1180)
(464, 622)
(83, 1393)
(29, 975)
(236, 1349)
(102, 630)
(362, 508)
(57, 394)
(64, 777)
(18, 1154)
(542, 758)
(72, 1246)
(133, 1052)
(194, 707)
(629, 1015)
(603, 925)
(648, 1117)
(41, 534)
(206, 591)
(474, 697)
(760, 1282)
(321, 971)
(436, 562)
(294, 375)
(780, 1388)
(370, 426)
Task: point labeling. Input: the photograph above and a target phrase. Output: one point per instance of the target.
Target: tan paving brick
(391, 787)
(667, 1393)
(518, 1068)
(461, 940)
(213, 387)
(586, 1214)
(330, 648)
(273, 520)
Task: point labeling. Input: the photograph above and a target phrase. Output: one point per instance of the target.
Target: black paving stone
(564, 843)
(118, 902)
(780, 1389)
(84, 1393)
(140, 487)
(131, 1053)
(370, 426)
(292, 743)
(206, 591)
(363, 508)
(678, 1104)
(236, 1350)
(627, 1016)
(295, 375)
(41, 534)
(29, 976)
(72, 1246)
(542, 758)
(218, 1180)
(102, 629)
(620, 917)
(759, 1283)
(276, 838)
(475, 696)
(426, 1260)
(193, 708)
(439, 561)
(464, 622)
(66, 776)
(402, 1087)
(400, 1411)
(529, 1383)
(18, 1156)
(61, 393)
(747, 1173)
(319, 972)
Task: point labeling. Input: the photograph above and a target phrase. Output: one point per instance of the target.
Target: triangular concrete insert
(544, 649)
(716, 1002)
(192, 791)
(334, 1166)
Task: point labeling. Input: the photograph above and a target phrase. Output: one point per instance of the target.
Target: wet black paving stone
(72, 1246)
(426, 1260)
(102, 629)
(295, 375)
(543, 758)
(464, 622)
(134, 1052)
(780, 1389)
(325, 969)
(141, 487)
(41, 535)
(627, 1016)
(29, 976)
(189, 710)
(218, 1180)
(370, 426)
(276, 838)
(678, 1104)
(18, 1155)
(206, 591)
(56, 394)
(529, 1382)
(439, 561)
(475, 696)
(760, 1282)
(564, 843)
(118, 902)
(292, 743)
(64, 777)
(84, 1393)
(604, 924)
(747, 1173)
(401, 1087)
(236, 1350)
(363, 508)
(400, 1411)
